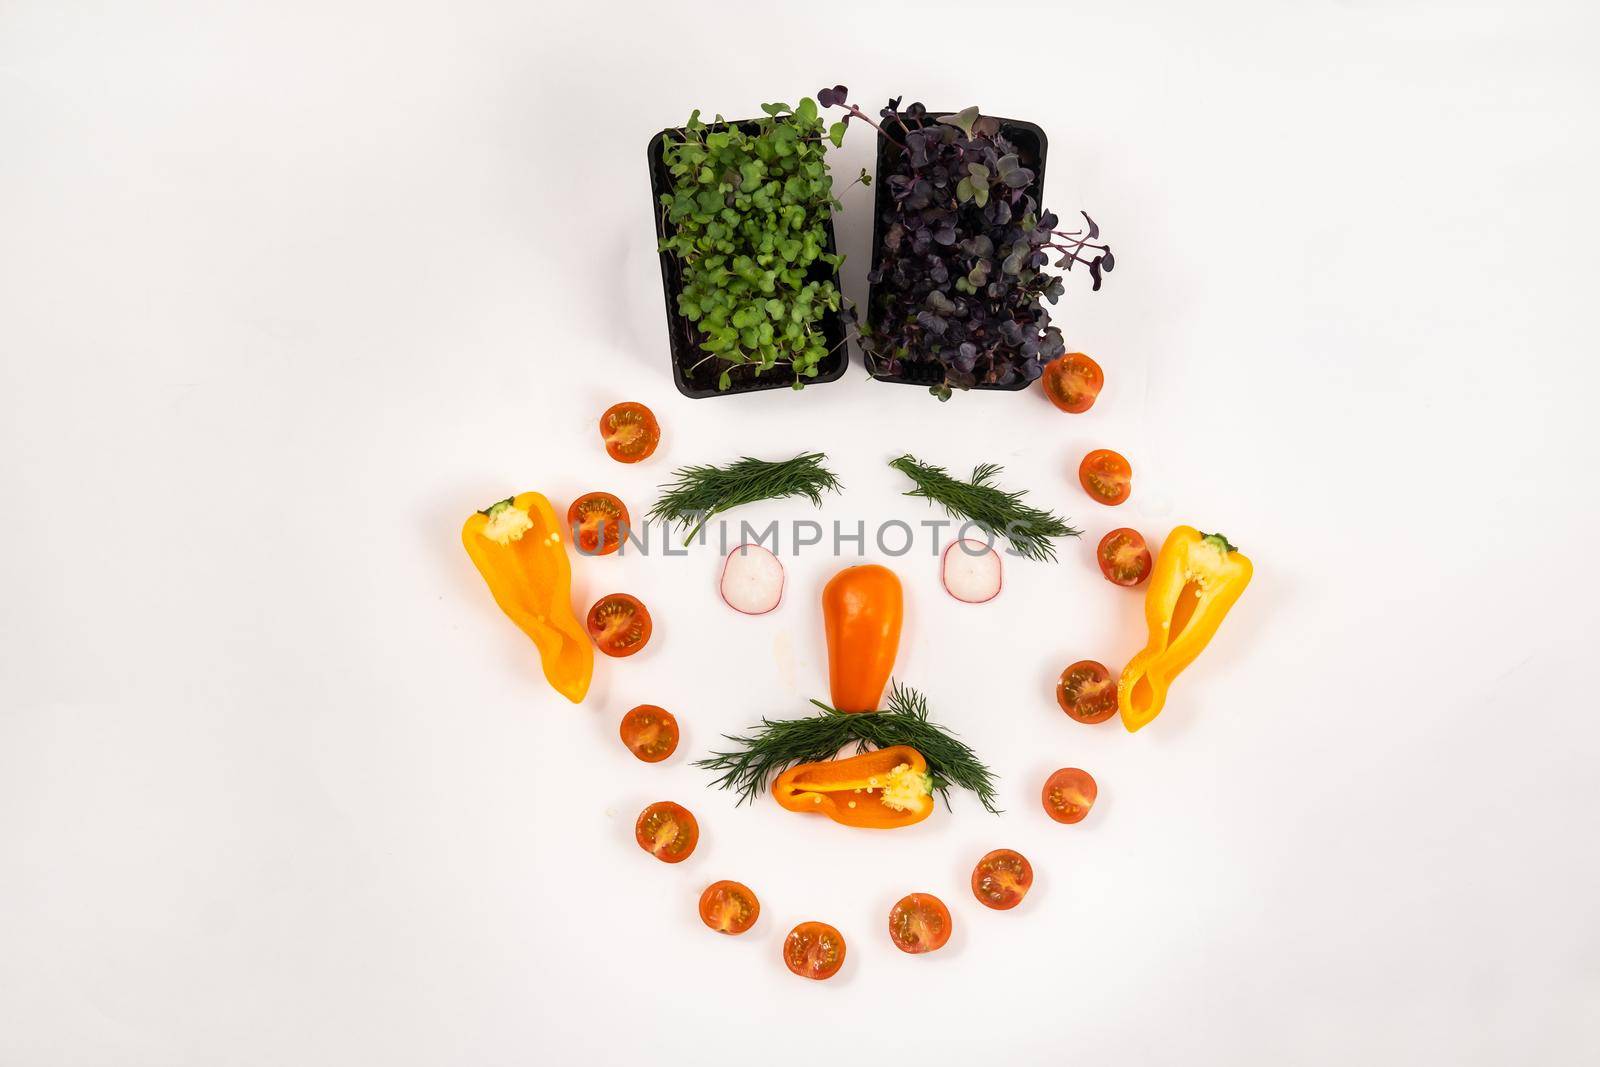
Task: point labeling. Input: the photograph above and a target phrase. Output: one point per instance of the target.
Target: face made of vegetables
(888, 787)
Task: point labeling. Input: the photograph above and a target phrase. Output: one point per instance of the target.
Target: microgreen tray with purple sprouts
(745, 225)
(960, 243)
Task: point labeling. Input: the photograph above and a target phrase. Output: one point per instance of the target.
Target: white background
(287, 290)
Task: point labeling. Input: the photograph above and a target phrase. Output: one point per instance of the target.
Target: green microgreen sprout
(747, 215)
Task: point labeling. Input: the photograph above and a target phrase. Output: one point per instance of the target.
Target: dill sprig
(781, 743)
(701, 492)
(990, 508)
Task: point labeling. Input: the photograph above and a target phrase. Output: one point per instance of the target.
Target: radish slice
(752, 580)
(971, 571)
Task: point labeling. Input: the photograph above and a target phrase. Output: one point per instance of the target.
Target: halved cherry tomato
(1106, 476)
(630, 432)
(597, 522)
(1087, 692)
(729, 907)
(619, 625)
(919, 923)
(1072, 382)
(814, 950)
(667, 831)
(1124, 557)
(651, 733)
(1069, 794)
(1001, 879)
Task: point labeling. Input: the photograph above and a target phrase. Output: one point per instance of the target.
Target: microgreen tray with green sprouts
(749, 263)
(956, 298)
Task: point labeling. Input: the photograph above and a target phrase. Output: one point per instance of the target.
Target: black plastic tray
(1032, 147)
(685, 338)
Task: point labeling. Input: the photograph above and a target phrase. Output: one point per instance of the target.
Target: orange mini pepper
(520, 549)
(861, 612)
(882, 789)
(1197, 578)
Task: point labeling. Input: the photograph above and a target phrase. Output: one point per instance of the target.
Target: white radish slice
(971, 571)
(752, 580)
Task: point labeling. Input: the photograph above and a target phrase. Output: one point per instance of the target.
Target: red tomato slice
(651, 733)
(814, 950)
(1124, 557)
(919, 923)
(619, 625)
(667, 831)
(630, 432)
(1087, 692)
(729, 907)
(1001, 879)
(1106, 476)
(1069, 794)
(597, 522)
(1072, 382)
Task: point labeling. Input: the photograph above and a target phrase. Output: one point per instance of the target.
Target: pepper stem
(1220, 541)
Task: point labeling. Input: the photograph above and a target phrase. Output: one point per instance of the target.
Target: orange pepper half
(880, 790)
(518, 547)
(861, 612)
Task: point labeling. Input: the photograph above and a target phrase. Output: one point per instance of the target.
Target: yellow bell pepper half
(1197, 578)
(518, 547)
